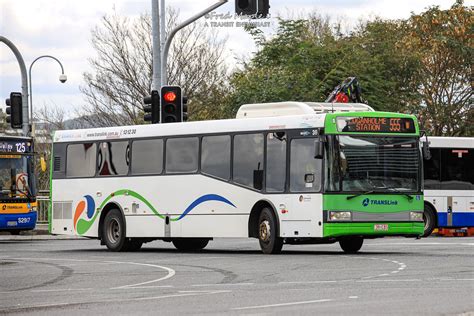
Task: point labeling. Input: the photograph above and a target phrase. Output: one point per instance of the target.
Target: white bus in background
(449, 183)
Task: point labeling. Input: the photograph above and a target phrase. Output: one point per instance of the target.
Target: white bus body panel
(298, 215)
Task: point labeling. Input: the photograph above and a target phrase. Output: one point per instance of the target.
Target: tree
(122, 69)
(443, 43)
(307, 58)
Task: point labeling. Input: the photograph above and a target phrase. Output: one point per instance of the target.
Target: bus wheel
(429, 218)
(114, 231)
(267, 233)
(351, 244)
(190, 244)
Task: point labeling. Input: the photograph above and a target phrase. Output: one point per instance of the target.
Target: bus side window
(456, 170)
(81, 160)
(432, 169)
(215, 156)
(276, 162)
(113, 158)
(182, 155)
(248, 158)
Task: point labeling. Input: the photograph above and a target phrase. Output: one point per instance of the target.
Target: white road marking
(222, 284)
(353, 297)
(283, 304)
(170, 271)
(389, 280)
(60, 290)
(311, 282)
(143, 287)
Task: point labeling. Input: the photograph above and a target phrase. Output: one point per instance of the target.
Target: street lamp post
(62, 79)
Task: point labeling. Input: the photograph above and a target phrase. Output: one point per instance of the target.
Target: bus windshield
(14, 180)
(376, 164)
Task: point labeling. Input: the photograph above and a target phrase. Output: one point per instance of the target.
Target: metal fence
(43, 206)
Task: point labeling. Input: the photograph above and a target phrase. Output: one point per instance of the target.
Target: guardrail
(43, 206)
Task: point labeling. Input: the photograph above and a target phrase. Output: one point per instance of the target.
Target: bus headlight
(416, 216)
(340, 216)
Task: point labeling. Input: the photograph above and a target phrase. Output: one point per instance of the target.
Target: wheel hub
(113, 231)
(265, 232)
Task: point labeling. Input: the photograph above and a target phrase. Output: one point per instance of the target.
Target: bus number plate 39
(381, 227)
(12, 223)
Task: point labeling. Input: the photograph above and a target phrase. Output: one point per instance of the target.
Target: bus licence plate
(12, 223)
(381, 227)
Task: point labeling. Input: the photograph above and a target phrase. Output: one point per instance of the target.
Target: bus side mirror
(318, 149)
(426, 151)
(426, 147)
(43, 164)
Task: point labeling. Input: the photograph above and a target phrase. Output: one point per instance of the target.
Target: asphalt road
(395, 276)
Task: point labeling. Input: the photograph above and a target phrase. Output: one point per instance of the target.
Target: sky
(62, 28)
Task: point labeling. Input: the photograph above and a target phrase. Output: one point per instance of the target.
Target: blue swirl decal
(202, 199)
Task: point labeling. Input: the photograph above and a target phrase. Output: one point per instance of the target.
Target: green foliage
(394, 61)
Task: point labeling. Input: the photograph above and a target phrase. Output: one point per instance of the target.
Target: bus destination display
(14, 146)
(375, 125)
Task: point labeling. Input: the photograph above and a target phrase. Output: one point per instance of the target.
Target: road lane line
(60, 290)
(222, 284)
(282, 304)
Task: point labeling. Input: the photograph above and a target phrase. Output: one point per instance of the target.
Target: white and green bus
(285, 173)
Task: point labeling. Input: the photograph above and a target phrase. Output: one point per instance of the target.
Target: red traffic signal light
(169, 96)
(171, 104)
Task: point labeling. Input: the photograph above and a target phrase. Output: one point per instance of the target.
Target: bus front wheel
(270, 242)
(114, 231)
(429, 218)
(351, 244)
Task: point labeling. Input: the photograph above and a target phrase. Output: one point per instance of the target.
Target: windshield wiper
(359, 194)
(408, 196)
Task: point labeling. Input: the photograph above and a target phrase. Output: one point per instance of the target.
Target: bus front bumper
(24, 221)
(373, 229)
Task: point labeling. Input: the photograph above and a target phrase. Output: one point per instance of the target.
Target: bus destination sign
(14, 146)
(375, 125)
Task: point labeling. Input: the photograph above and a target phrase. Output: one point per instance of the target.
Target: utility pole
(155, 23)
(24, 84)
(166, 47)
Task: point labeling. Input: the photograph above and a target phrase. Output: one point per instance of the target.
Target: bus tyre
(429, 218)
(190, 244)
(270, 242)
(114, 231)
(351, 244)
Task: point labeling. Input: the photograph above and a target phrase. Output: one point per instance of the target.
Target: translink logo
(368, 201)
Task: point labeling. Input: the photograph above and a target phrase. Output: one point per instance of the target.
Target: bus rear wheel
(190, 244)
(429, 218)
(269, 241)
(351, 244)
(114, 231)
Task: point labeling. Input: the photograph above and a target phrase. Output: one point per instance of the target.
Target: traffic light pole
(24, 83)
(166, 48)
(155, 21)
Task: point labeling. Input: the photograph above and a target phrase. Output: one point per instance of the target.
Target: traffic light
(152, 107)
(185, 108)
(14, 110)
(257, 8)
(171, 104)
